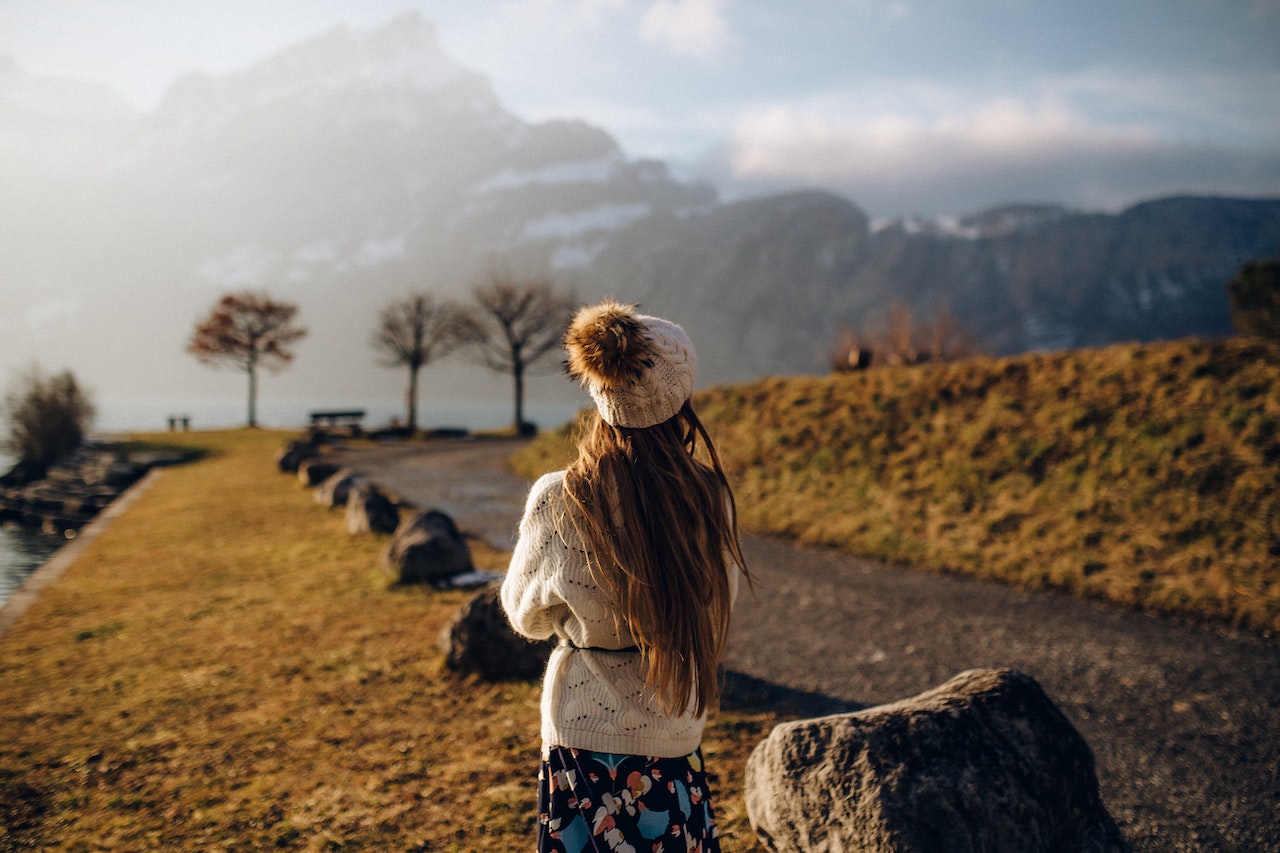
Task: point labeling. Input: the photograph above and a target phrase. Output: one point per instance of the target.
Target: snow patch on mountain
(940, 226)
(256, 266)
(1047, 335)
(577, 255)
(598, 171)
(989, 223)
(606, 217)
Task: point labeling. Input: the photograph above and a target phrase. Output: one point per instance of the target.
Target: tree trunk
(413, 400)
(253, 395)
(517, 373)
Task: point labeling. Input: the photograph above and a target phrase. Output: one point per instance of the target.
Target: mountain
(765, 285)
(360, 165)
(340, 173)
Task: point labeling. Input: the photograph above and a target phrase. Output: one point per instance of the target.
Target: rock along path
(1184, 720)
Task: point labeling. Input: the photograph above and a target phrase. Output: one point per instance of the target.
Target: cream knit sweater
(591, 699)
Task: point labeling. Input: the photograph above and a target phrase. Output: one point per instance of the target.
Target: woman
(631, 557)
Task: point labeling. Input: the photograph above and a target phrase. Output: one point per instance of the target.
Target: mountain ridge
(356, 166)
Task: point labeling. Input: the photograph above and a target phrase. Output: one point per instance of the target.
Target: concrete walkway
(1184, 720)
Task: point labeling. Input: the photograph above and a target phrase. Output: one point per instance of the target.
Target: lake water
(21, 551)
(24, 551)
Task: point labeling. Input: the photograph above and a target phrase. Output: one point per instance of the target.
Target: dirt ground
(1184, 720)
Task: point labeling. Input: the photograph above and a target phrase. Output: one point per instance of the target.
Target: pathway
(1184, 720)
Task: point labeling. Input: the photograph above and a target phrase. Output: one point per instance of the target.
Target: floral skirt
(600, 801)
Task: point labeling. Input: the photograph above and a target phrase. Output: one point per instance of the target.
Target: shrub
(48, 418)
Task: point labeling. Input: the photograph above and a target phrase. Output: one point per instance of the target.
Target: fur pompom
(607, 345)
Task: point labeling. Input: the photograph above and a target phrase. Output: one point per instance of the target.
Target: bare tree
(850, 351)
(513, 323)
(902, 339)
(410, 333)
(247, 330)
(946, 338)
(900, 334)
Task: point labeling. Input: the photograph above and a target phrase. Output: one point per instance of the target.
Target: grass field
(226, 669)
(1147, 475)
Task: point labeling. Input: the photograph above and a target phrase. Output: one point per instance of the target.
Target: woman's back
(631, 558)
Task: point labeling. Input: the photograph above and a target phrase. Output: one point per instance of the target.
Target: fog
(361, 165)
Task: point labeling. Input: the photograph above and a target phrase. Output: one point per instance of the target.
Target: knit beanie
(638, 369)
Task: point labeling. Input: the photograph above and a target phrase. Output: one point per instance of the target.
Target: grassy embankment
(1144, 475)
(226, 669)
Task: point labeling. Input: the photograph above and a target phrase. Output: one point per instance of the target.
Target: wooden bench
(349, 418)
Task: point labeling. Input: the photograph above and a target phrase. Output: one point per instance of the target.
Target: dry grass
(226, 669)
(1144, 475)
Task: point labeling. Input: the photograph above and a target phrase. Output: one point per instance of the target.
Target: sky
(908, 107)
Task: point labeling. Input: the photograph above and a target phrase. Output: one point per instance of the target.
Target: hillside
(1141, 474)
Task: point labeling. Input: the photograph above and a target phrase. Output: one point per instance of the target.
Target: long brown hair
(660, 528)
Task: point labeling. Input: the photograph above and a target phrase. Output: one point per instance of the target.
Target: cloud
(694, 28)
(796, 141)
(1002, 150)
(573, 15)
(1210, 104)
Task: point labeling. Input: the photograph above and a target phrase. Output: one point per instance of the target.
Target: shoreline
(22, 552)
(12, 609)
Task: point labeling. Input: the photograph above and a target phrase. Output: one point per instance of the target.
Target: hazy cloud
(569, 15)
(1200, 104)
(1004, 150)
(795, 141)
(695, 28)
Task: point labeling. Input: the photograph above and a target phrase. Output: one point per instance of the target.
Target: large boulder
(427, 548)
(479, 639)
(986, 762)
(370, 511)
(294, 453)
(313, 472)
(335, 490)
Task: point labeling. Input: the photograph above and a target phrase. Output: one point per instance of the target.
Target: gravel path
(1184, 720)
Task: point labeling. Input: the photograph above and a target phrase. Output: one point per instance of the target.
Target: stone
(427, 548)
(479, 640)
(70, 493)
(22, 473)
(370, 511)
(335, 490)
(313, 472)
(985, 762)
(294, 453)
